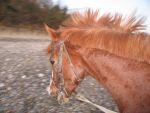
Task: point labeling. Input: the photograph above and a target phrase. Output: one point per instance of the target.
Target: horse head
(66, 67)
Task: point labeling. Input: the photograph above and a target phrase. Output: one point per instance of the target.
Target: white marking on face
(51, 81)
(49, 90)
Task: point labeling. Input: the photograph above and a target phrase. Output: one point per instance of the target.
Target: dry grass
(23, 33)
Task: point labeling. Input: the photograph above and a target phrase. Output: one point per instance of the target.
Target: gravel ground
(24, 76)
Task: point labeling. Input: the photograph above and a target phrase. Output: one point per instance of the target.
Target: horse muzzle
(61, 97)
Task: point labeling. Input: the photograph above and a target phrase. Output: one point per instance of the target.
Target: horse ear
(52, 33)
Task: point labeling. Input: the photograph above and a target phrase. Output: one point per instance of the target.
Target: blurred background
(27, 13)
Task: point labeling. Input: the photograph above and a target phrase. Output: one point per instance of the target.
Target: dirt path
(24, 76)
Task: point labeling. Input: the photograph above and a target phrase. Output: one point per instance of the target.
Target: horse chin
(62, 98)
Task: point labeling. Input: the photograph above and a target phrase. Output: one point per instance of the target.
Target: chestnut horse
(111, 49)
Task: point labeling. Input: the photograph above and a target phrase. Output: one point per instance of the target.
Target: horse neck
(120, 76)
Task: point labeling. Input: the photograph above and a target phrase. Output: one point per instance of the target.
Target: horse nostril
(52, 61)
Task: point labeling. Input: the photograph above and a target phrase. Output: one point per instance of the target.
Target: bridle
(59, 69)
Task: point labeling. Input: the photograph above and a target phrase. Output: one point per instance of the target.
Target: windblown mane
(117, 21)
(114, 34)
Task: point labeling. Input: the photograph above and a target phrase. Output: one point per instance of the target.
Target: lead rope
(83, 99)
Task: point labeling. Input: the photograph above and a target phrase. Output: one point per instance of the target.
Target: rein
(59, 70)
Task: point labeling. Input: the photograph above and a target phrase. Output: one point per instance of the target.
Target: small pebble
(10, 76)
(2, 85)
(37, 70)
(23, 77)
(101, 89)
(7, 59)
(3, 72)
(42, 84)
(41, 75)
(9, 88)
(18, 65)
(44, 80)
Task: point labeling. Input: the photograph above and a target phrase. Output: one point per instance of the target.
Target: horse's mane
(111, 33)
(91, 18)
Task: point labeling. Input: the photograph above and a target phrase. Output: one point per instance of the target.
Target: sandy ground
(24, 76)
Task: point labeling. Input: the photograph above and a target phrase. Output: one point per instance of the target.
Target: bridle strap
(71, 64)
(59, 68)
